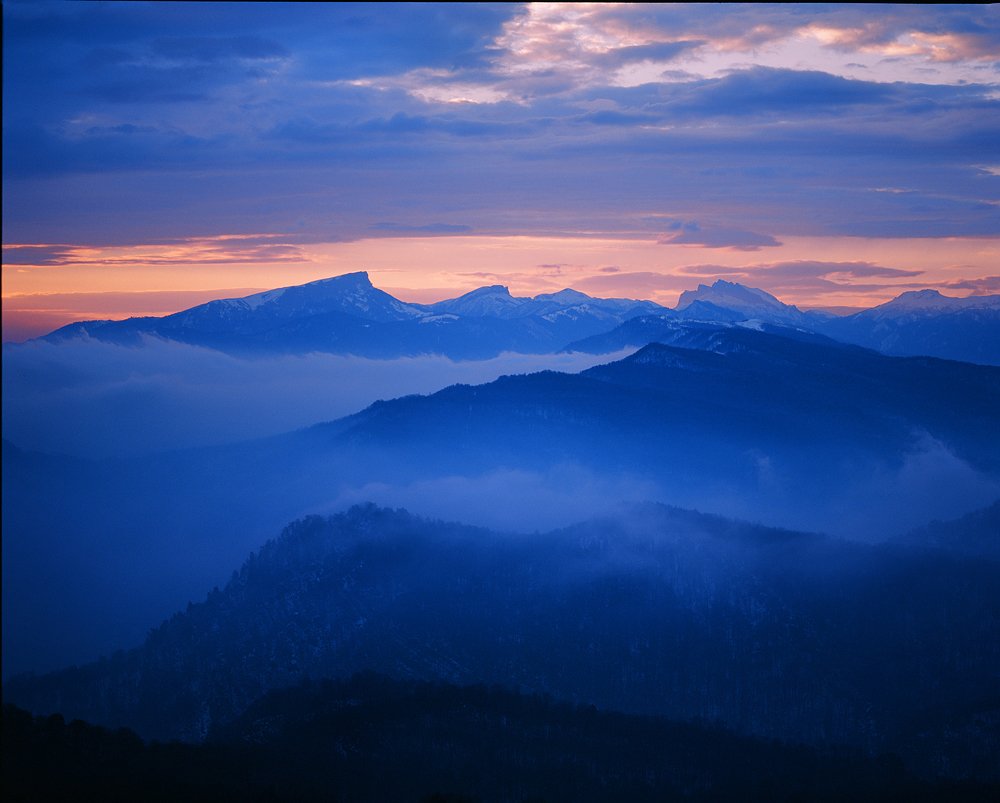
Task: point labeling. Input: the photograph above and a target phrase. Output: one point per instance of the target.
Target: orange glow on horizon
(80, 283)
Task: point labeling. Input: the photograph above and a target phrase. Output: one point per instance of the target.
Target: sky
(158, 155)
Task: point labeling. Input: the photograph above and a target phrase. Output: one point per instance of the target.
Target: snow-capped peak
(920, 299)
(929, 300)
(565, 297)
(257, 299)
(731, 296)
(493, 301)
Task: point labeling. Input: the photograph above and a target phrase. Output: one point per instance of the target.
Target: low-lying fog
(94, 399)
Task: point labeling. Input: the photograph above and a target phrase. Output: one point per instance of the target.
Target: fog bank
(88, 398)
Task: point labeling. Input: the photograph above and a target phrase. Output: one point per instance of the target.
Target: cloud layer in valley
(87, 398)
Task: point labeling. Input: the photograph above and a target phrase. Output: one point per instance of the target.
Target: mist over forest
(737, 522)
(500, 403)
(776, 426)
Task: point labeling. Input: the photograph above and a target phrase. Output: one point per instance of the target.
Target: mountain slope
(809, 435)
(347, 315)
(926, 322)
(656, 611)
(693, 333)
(975, 535)
(749, 302)
(739, 389)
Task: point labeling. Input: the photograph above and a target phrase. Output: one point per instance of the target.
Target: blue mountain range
(348, 315)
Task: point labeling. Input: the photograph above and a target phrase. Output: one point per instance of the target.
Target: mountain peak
(917, 299)
(731, 295)
(567, 296)
(493, 301)
(359, 277)
(928, 300)
(489, 290)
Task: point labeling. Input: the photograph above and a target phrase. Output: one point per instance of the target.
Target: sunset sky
(157, 155)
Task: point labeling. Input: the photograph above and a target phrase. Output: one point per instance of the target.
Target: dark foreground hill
(660, 612)
(374, 739)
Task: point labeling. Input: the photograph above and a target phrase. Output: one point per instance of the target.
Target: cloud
(29, 254)
(930, 483)
(508, 499)
(811, 276)
(117, 302)
(620, 118)
(802, 269)
(720, 237)
(939, 33)
(429, 228)
(654, 51)
(891, 37)
(640, 283)
(814, 276)
(872, 501)
(124, 123)
(216, 48)
(30, 315)
(95, 399)
(217, 250)
(765, 90)
(986, 285)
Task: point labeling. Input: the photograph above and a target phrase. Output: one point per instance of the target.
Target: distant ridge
(347, 315)
(926, 322)
(750, 301)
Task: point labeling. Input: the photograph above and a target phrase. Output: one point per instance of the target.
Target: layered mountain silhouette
(802, 432)
(880, 635)
(347, 315)
(729, 397)
(730, 297)
(656, 611)
(926, 322)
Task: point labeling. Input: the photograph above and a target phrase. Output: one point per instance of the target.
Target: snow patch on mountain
(933, 301)
(750, 302)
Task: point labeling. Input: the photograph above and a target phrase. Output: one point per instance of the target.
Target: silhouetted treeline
(374, 739)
